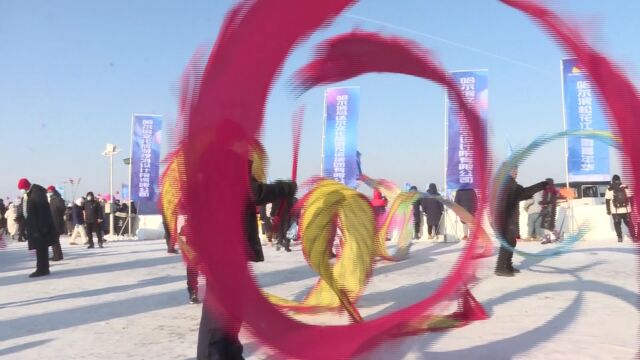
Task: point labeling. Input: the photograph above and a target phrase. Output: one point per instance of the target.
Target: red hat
(51, 188)
(24, 184)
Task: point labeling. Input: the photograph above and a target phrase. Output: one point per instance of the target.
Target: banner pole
(324, 130)
(569, 211)
(446, 158)
(130, 189)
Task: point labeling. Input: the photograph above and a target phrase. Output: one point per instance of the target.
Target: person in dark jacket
(433, 209)
(507, 218)
(93, 217)
(39, 226)
(56, 204)
(20, 220)
(68, 220)
(417, 215)
(618, 200)
(213, 341)
(3, 219)
(468, 200)
(549, 206)
(281, 221)
(77, 216)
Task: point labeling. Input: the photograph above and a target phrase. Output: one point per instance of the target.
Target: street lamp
(110, 151)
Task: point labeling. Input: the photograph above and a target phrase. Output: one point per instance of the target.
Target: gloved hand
(609, 212)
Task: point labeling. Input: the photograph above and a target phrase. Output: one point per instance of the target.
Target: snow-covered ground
(129, 301)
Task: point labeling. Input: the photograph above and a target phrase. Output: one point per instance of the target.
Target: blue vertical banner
(146, 140)
(340, 139)
(587, 160)
(459, 165)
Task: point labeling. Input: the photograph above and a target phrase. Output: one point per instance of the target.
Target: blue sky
(72, 73)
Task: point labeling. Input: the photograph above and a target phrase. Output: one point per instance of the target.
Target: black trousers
(97, 228)
(217, 341)
(617, 224)
(416, 225)
(505, 256)
(42, 259)
(192, 277)
(430, 229)
(167, 237)
(57, 249)
(22, 231)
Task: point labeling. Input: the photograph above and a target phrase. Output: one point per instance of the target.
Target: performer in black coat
(433, 209)
(213, 341)
(39, 226)
(94, 217)
(507, 218)
(56, 204)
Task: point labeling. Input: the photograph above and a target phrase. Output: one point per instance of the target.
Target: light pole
(110, 151)
(127, 162)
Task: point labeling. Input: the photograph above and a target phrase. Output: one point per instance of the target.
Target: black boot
(39, 273)
(193, 297)
(57, 252)
(502, 272)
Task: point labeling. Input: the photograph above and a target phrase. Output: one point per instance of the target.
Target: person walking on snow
(433, 209)
(56, 204)
(40, 230)
(94, 217)
(417, 214)
(618, 201)
(77, 216)
(12, 225)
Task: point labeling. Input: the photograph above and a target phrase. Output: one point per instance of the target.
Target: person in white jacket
(12, 224)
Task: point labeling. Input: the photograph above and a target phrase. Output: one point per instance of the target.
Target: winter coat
(56, 204)
(610, 194)
(266, 220)
(467, 199)
(93, 212)
(263, 194)
(432, 207)
(12, 224)
(67, 213)
(3, 210)
(77, 215)
(532, 206)
(549, 204)
(41, 231)
(507, 208)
